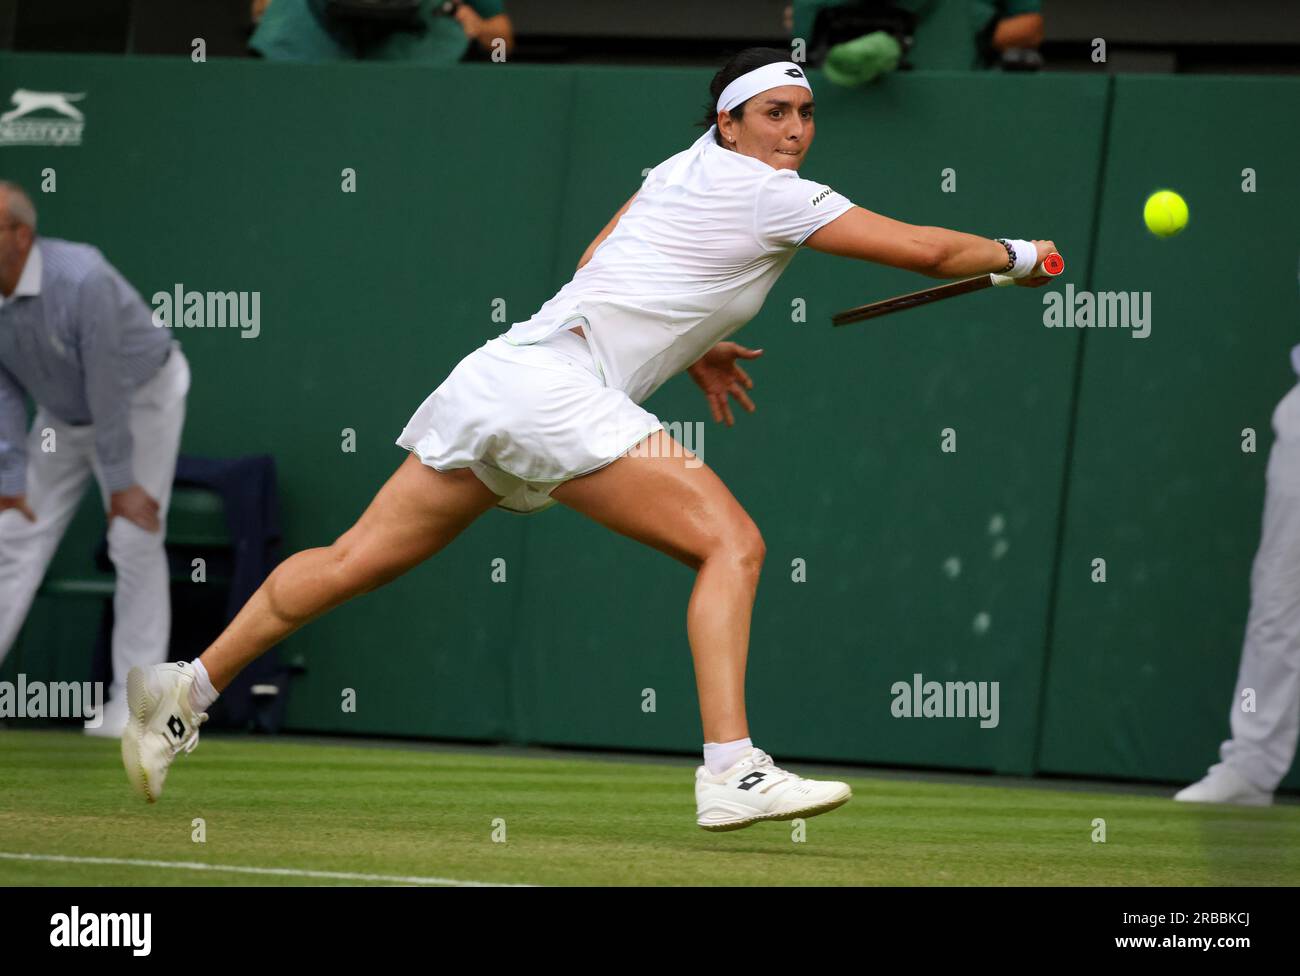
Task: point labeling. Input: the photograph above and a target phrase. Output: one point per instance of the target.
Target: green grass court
(426, 815)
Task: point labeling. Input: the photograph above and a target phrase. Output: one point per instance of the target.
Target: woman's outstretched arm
(932, 251)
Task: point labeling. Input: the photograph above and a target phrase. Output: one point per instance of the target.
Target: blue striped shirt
(79, 341)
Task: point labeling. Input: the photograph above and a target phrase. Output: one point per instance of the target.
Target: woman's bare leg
(664, 496)
(416, 513)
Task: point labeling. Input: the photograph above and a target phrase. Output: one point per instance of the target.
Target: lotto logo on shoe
(176, 727)
(74, 930)
(751, 780)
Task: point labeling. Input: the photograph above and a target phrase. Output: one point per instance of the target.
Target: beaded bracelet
(1011, 254)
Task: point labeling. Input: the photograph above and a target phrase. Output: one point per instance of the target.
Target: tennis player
(550, 411)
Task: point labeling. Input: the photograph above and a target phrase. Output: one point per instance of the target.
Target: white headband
(760, 80)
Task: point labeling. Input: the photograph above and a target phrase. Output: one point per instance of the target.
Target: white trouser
(1263, 742)
(56, 481)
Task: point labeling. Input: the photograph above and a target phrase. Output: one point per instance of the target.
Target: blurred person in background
(1265, 712)
(427, 31)
(856, 41)
(110, 391)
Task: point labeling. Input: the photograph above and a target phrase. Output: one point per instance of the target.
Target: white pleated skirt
(526, 418)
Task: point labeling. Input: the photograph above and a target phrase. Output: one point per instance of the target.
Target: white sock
(202, 694)
(721, 756)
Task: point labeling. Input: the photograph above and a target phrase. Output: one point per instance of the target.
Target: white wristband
(1026, 258)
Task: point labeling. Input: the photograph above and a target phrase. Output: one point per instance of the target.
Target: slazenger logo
(18, 127)
(123, 929)
(821, 196)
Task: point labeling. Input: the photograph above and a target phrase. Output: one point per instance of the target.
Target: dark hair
(742, 63)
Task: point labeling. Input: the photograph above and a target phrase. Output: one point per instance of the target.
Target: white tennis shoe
(1223, 784)
(112, 723)
(755, 789)
(160, 726)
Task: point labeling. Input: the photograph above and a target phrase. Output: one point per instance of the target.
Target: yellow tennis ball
(1165, 213)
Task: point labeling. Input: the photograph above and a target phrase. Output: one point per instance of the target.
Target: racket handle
(1051, 266)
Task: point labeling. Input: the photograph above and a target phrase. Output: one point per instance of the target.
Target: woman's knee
(740, 544)
(751, 547)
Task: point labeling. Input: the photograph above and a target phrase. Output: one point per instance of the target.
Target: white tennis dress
(688, 264)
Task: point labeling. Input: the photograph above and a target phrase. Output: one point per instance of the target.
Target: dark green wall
(486, 182)
(1142, 668)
